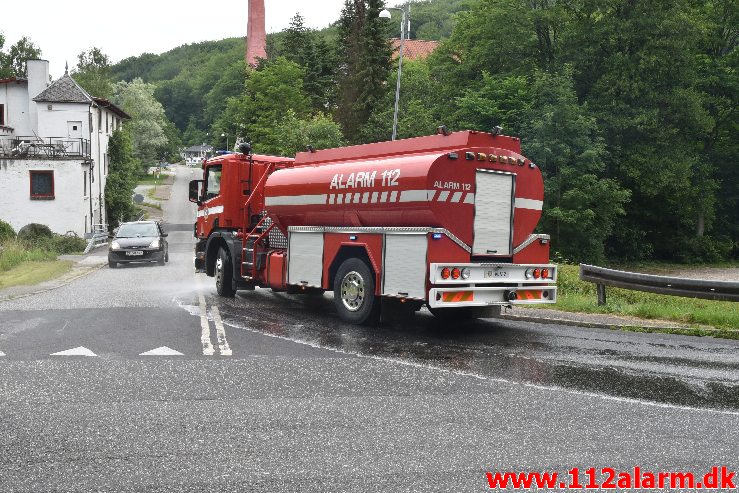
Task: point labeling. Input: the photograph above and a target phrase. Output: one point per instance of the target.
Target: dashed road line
(223, 346)
(205, 328)
(2, 354)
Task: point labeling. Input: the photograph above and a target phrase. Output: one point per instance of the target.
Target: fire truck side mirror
(195, 191)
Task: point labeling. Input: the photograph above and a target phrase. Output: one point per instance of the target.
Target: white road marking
(78, 351)
(552, 388)
(205, 333)
(223, 346)
(2, 354)
(162, 351)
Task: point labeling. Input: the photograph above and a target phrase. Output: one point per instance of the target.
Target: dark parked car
(141, 241)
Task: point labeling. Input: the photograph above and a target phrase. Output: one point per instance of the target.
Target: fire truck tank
(475, 185)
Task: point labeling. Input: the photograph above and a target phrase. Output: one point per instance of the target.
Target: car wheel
(166, 256)
(224, 274)
(161, 261)
(354, 292)
(112, 264)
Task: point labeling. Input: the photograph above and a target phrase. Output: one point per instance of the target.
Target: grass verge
(574, 295)
(34, 272)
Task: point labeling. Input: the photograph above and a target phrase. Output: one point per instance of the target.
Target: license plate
(496, 274)
(134, 253)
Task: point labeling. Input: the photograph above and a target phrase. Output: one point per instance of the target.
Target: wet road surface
(184, 391)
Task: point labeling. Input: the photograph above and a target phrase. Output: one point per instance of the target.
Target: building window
(106, 124)
(42, 185)
(2, 114)
(84, 184)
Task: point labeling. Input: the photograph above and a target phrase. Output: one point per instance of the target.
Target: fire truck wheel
(354, 292)
(224, 275)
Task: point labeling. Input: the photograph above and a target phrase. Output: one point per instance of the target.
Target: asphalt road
(169, 388)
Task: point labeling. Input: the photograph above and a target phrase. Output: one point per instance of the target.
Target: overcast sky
(63, 29)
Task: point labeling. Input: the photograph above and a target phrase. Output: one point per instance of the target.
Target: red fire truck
(446, 220)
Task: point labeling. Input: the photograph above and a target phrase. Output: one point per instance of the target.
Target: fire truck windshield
(213, 182)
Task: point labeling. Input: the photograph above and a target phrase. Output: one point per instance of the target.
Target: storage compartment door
(405, 265)
(305, 264)
(494, 213)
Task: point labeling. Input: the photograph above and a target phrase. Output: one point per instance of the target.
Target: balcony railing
(47, 148)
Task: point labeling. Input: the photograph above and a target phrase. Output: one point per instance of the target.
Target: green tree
(365, 57)
(93, 73)
(122, 175)
(581, 205)
(295, 134)
(13, 63)
(419, 112)
(192, 134)
(270, 94)
(499, 100)
(148, 121)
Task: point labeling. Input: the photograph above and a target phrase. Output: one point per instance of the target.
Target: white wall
(66, 212)
(53, 123)
(14, 95)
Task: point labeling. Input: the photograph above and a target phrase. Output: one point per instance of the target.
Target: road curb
(631, 327)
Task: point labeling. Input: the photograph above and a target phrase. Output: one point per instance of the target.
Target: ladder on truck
(251, 247)
(251, 242)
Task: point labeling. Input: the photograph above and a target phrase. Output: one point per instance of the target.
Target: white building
(53, 151)
(196, 154)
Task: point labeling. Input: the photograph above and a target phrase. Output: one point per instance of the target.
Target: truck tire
(465, 314)
(354, 292)
(224, 274)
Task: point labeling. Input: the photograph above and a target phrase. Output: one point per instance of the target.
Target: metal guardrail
(99, 237)
(673, 286)
(21, 147)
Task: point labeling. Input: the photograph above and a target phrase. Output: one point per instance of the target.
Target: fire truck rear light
(537, 273)
(466, 273)
(353, 237)
(437, 236)
(445, 273)
(529, 273)
(545, 273)
(453, 155)
(456, 273)
(511, 296)
(470, 156)
(545, 294)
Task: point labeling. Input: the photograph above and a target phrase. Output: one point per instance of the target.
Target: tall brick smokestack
(256, 33)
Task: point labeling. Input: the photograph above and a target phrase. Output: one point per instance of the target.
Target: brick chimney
(256, 33)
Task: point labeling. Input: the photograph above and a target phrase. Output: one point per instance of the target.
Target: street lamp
(405, 28)
(225, 135)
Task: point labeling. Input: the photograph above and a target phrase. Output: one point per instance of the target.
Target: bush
(35, 233)
(67, 244)
(704, 249)
(6, 232)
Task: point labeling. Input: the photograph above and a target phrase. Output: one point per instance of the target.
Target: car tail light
(545, 273)
(537, 273)
(445, 273)
(456, 273)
